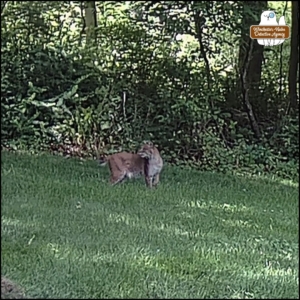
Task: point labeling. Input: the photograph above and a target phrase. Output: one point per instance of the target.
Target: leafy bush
(59, 91)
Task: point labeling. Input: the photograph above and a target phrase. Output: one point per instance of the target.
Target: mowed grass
(67, 233)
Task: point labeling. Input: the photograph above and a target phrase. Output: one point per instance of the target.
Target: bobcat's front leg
(149, 181)
(156, 180)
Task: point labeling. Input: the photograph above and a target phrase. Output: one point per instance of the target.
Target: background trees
(105, 75)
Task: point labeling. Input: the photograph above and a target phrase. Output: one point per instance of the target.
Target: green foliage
(66, 233)
(58, 89)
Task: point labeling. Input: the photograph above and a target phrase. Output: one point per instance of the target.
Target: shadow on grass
(67, 233)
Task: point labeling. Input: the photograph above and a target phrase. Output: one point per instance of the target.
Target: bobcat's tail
(101, 157)
(102, 161)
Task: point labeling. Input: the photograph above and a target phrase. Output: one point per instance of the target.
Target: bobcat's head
(147, 150)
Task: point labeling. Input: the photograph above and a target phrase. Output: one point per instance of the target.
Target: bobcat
(146, 162)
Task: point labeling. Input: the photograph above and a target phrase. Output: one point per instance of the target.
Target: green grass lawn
(66, 233)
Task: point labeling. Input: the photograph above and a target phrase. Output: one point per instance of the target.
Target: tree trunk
(199, 26)
(294, 58)
(245, 84)
(90, 21)
(255, 64)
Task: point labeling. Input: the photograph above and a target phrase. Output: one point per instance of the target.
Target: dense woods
(84, 77)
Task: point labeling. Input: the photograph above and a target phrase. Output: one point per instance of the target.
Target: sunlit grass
(66, 233)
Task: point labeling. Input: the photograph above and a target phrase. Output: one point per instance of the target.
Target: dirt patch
(10, 290)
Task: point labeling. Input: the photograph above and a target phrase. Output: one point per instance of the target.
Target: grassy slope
(197, 235)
